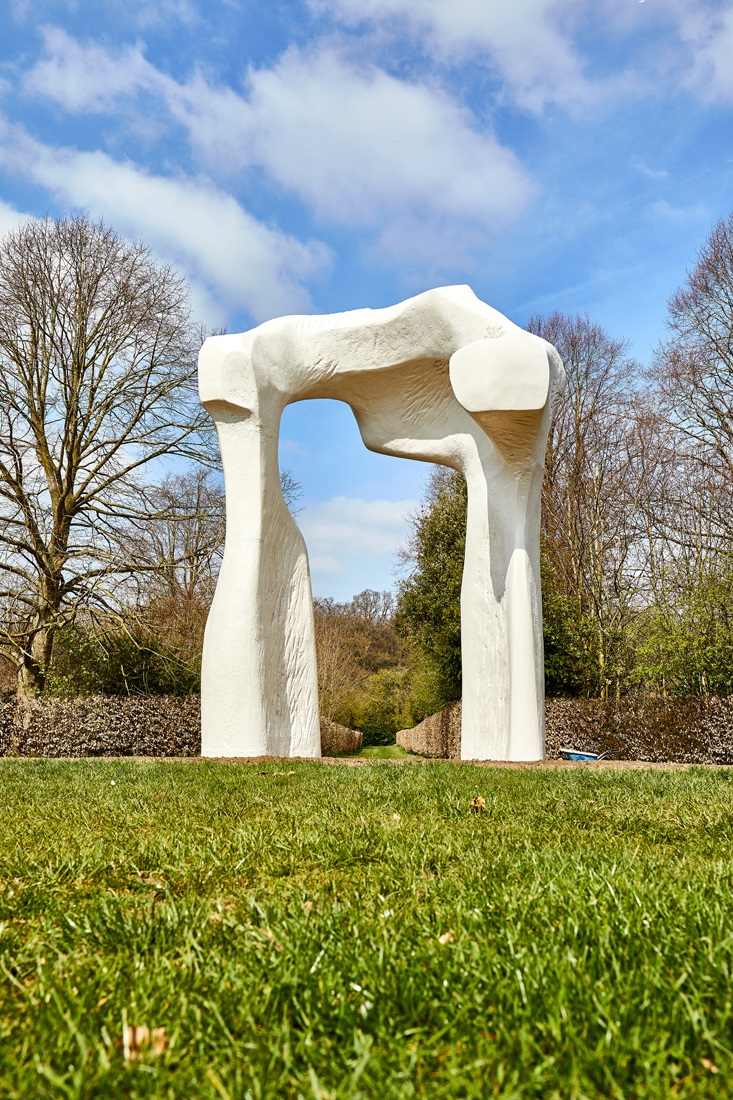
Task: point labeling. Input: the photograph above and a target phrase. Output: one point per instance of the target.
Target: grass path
(320, 932)
(383, 752)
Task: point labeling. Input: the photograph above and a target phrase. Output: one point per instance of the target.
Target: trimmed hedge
(337, 739)
(438, 735)
(114, 725)
(693, 730)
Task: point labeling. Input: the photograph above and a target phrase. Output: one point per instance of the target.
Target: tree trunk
(34, 663)
(602, 666)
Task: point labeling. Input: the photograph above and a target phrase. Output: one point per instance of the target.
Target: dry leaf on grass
(447, 937)
(151, 880)
(139, 1041)
(478, 804)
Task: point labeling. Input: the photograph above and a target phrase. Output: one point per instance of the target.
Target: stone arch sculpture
(441, 377)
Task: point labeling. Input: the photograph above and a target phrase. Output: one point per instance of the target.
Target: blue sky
(323, 155)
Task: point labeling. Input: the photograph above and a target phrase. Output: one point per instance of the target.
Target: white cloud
(219, 244)
(343, 531)
(676, 214)
(536, 47)
(647, 170)
(529, 42)
(89, 77)
(10, 218)
(359, 146)
(693, 44)
(708, 32)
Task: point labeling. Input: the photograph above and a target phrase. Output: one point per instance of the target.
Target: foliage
(365, 626)
(358, 932)
(119, 662)
(686, 646)
(360, 660)
(428, 611)
(426, 695)
(429, 600)
(381, 706)
(569, 666)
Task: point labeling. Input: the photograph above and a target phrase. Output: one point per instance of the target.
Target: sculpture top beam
(442, 377)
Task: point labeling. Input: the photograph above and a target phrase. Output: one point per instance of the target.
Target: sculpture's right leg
(509, 385)
(501, 617)
(259, 691)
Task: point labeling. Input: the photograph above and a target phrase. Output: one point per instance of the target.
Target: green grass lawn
(300, 930)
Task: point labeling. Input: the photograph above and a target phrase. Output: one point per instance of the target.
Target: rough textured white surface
(444, 378)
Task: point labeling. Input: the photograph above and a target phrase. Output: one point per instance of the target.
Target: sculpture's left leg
(259, 692)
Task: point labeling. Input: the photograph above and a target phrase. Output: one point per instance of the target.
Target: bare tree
(693, 379)
(354, 641)
(97, 382)
(340, 676)
(178, 549)
(690, 520)
(594, 485)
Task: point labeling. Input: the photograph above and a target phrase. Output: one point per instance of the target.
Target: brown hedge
(693, 730)
(337, 739)
(103, 725)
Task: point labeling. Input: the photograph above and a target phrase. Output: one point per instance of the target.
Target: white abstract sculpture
(441, 377)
